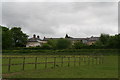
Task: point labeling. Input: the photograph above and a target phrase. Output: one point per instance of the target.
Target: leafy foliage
(13, 37)
(107, 41)
(6, 38)
(79, 45)
(63, 43)
(19, 38)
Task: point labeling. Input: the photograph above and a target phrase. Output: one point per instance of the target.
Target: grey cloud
(55, 19)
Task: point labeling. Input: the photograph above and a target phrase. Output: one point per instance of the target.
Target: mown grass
(109, 69)
(31, 59)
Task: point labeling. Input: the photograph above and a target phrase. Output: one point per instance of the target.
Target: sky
(55, 19)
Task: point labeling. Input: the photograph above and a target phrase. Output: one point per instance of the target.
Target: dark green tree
(52, 43)
(6, 38)
(114, 41)
(63, 43)
(46, 46)
(104, 39)
(79, 45)
(19, 38)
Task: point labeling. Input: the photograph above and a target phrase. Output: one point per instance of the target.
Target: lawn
(87, 68)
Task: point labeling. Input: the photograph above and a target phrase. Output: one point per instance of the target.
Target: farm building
(88, 41)
(36, 41)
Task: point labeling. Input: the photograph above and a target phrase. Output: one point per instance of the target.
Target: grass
(109, 69)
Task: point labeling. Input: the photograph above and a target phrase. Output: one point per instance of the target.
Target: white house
(33, 42)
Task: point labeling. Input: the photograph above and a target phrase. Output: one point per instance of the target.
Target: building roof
(93, 38)
(34, 39)
(46, 39)
(72, 39)
(37, 39)
(76, 39)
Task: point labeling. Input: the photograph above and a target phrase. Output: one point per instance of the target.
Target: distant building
(88, 41)
(36, 41)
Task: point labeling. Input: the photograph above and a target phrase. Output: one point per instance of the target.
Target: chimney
(34, 36)
(38, 37)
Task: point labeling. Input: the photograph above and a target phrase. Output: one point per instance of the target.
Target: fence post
(96, 59)
(35, 62)
(84, 58)
(23, 63)
(102, 59)
(54, 61)
(62, 62)
(45, 62)
(88, 60)
(74, 60)
(99, 59)
(79, 61)
(93, 59)
(9, 64)
(68, 61)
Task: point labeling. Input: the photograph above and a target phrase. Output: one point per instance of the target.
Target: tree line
(105, 42)
(15, 37)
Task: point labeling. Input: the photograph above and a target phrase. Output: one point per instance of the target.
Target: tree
(107, 41)
(6, 38)
(19, 38)
(63, 43)
(46, 46)
(79, 45)
(52, 43)
(114, 41)
(104, 39)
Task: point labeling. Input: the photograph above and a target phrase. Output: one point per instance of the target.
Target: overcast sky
(55, 19)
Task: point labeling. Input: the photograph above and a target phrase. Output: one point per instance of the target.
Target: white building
(33, 42)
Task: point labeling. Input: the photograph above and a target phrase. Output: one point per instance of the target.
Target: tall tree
(104, 39)
(19, 38)
(6, 38)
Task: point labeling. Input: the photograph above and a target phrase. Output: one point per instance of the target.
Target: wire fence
(54, 61)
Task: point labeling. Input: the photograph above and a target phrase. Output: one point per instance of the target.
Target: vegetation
(14, 41)
(63, 43)
(79, 45)
(107, 41)
(38, 51)
(13, 37)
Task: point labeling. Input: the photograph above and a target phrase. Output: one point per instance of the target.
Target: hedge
(65, 52)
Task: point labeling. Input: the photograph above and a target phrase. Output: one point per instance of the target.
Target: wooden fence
(87, 60)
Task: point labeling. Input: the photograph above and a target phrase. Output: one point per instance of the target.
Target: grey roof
(34, 39)
(76, 39)
(93, 38)
(46, 39)
(72, 39)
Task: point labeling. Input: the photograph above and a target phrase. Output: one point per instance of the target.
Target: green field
(88, 67)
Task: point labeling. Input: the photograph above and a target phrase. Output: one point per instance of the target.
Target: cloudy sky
(55, 19)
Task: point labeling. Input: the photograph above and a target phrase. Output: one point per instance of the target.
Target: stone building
(36, 41)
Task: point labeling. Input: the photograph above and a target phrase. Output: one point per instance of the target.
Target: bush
(63, 43)
(46, 46)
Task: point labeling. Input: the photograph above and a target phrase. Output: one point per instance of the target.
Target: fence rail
(74, 60)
